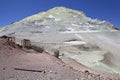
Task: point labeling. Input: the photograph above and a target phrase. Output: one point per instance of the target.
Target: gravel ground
(16, 64)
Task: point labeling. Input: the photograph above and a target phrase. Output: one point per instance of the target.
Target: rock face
(58, 19)
(90, 42)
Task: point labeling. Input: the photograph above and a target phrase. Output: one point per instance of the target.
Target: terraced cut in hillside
(83, 43)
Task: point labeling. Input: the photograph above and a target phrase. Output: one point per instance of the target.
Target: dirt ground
(16, 64)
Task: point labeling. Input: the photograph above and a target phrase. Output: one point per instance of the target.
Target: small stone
(4, 68)
(91, 74)
(44, 72)
(98, 75)
(51, 78)
(56, 73)
(50, 71)
(77, 79)
(87, 72)
(82, 78)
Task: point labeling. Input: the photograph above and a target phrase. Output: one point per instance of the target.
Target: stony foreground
(16, 64)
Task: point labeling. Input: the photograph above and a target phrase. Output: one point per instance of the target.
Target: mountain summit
(58, 19)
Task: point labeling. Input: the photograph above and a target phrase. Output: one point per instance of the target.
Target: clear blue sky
(15, 10)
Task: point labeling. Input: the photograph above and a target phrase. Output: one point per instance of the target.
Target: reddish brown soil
(16, 64)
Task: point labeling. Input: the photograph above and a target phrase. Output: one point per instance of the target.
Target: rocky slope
(15, 64)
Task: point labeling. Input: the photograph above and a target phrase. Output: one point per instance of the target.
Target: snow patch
(51, 16)
(70, 29)
(82, 31)
(80, 23)
(57, 19)
(47, 26)
(74, 16)
(36, 23)
(77, 35)
(75, 25)
(91, 26)
(75, 42)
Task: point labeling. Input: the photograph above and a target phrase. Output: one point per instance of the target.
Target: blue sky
(15, 10)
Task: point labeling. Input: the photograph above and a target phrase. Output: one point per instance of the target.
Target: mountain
(90, 42)
(58, 19)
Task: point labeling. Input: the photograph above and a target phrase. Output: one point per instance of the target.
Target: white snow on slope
(88, 31)
(75, 25)
(51, 16)
(75, 42)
